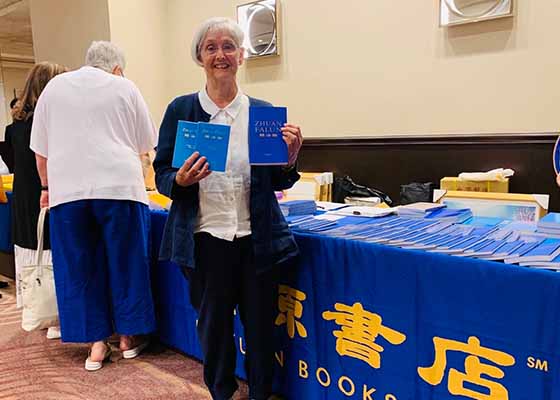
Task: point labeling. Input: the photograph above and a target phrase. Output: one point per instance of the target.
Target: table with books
(407, 306)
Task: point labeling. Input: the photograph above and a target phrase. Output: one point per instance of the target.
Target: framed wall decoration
(556, 156)
(456, 12)
(259, 21)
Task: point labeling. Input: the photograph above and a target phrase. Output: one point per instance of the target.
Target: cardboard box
(512, 206)
(312, 186)
(454, 183)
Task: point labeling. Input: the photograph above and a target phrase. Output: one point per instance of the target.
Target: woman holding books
(225, 229)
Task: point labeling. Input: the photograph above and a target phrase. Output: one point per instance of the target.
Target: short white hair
(105, 55)
(214, 24)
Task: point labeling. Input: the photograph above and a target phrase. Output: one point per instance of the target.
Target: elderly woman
(90, 126)
(226, 229)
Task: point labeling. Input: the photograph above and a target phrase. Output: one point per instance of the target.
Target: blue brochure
(266, 143)
(185, 142)
(212, 142)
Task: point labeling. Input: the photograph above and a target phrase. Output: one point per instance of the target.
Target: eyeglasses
(227, 48)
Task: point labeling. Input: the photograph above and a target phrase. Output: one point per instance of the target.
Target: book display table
(367, 321)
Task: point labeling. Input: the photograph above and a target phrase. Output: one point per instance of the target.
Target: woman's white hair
(105, 56)
(214, 24)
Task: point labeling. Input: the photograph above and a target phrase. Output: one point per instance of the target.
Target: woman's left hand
(294, 140)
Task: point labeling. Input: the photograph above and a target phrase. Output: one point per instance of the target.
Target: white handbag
(38, 292)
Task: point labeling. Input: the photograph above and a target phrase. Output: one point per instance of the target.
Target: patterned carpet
(35, 368)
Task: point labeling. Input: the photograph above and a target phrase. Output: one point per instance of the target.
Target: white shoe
(97, 365)
(132, 353)
(53, 332)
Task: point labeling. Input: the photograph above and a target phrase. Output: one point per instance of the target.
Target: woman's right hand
(44, 199)
(193, 170)
(558, 179)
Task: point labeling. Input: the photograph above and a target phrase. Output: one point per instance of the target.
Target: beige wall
(64, 29)
(138, 27)
(14, 78)
(363, 68)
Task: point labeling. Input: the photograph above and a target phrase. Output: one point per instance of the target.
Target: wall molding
(458, 139)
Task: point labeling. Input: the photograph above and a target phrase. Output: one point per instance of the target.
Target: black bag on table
(346, 187)
(417, 192)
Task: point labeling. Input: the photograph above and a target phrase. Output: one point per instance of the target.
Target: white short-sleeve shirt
(92, 126)
(224, 196)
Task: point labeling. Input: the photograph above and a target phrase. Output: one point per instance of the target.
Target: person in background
(226, 229)
(91, 126)
(6, 150)
(27, 185)
(7, 155)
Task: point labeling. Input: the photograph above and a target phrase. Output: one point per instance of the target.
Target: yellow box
(312, 186)
(3, 197)
(159, 201)
(454, 183)
(8, 182)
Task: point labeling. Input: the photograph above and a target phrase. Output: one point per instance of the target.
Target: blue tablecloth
(366, 321)
(6, 245)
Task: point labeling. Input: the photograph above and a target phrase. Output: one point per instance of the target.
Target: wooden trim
(476, 139)
(386, 162)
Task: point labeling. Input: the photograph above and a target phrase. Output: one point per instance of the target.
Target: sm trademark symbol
(538, 364)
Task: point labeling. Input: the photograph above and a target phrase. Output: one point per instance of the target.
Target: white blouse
(224, 196)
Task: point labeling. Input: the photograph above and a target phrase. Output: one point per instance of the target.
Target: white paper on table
(363, 211)
(329, 217)
(329, 206)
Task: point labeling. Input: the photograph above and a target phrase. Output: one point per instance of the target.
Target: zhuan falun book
(210, 140)
(266, 143)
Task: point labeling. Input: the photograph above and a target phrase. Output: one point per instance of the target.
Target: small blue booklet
(266, 142)
(185, 142)
(210, 140)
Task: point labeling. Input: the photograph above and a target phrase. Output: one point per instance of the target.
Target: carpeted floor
(35, 368)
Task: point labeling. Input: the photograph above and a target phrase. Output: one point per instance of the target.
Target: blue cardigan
(273, 242)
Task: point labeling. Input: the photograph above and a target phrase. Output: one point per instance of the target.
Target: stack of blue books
(453, 215)
(418, 210)
(545, 251)
(554, 264)
(298, 207)
(527, 245)
(549, 225)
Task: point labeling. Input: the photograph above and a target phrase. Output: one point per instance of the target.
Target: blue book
(550, 220)
(548, 250)
(504, 250)
(421, 233)
(266, 142)
(212, 142)
(462, 246)
(185, 142)
(554, 264)
(451, 215)
(527, 246)
(484, 248)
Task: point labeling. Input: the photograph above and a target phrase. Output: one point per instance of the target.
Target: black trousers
(225, 277)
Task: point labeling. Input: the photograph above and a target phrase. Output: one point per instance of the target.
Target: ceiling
(16, 39)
